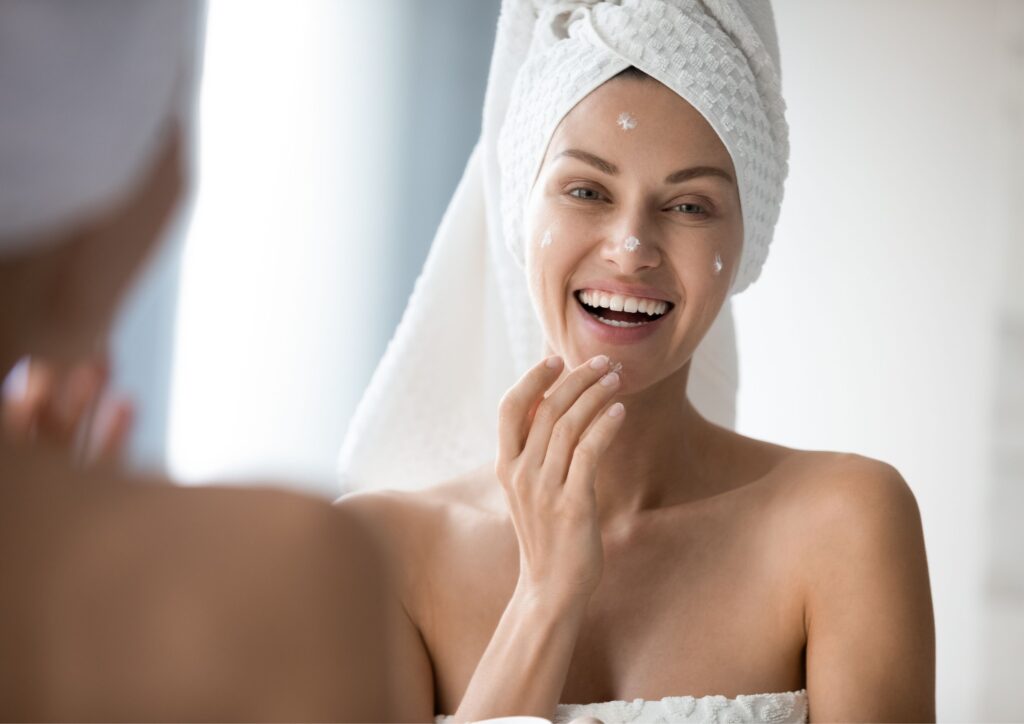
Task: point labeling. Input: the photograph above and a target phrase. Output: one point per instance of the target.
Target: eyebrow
(588, 158)
(676, 177)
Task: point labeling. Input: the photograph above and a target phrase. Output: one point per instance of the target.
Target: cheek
(548, 264)
(555, 250)
(714, 257)
(548, 243)
(728, 248)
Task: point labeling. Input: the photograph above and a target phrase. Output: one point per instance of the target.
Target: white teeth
(616, 323)
(622, 303)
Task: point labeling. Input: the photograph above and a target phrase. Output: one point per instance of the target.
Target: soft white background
(889, 320)
(882, 313)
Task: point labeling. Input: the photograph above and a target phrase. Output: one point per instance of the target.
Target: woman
(622, 555)
(123, 597)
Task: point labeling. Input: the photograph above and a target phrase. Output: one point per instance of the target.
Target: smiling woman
(666, 185)
(616, 549)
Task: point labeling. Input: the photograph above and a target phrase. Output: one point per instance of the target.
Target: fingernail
(617, 409)
(553, 362)
(612, 378)
(599, 362)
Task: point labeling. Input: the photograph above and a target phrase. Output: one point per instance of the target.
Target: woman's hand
(548, 450)
(66, 409)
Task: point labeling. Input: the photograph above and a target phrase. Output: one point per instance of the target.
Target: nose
(631, 244)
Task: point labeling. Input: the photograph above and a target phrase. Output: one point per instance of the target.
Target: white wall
(873, 328)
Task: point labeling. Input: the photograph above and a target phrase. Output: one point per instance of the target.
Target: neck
(659, 456)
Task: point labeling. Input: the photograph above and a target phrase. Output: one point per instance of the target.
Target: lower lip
(617, 335)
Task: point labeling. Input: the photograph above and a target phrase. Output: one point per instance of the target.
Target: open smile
(620, 318)
(620, 310)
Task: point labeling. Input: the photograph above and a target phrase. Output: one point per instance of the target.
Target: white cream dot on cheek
(717, 265)
(545, 240)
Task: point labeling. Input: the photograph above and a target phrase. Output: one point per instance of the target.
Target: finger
(84, 389)
(112, 433)
(25, 401)
(88, 383)
(558, 402)
(571, 427)
(17, 413)
(62, 418)
(517, 403)
(586, 456)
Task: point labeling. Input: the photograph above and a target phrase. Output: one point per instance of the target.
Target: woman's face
(634, 231)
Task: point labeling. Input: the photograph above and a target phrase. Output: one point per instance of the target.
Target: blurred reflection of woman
(609, 548)
(124, 597)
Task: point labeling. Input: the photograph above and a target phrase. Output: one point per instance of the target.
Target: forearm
(523, 670)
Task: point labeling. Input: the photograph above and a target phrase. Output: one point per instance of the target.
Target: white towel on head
(469, 331)
(87, 92)
(710, 53)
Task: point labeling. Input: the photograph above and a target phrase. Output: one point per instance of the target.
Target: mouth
(620, 310)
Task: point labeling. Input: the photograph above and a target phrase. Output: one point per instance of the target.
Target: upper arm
(870, 627)
(411, 675)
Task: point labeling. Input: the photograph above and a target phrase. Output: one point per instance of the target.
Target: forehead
(668, 129)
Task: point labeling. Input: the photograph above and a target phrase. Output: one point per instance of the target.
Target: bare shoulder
(820, 487)
(846, 493)
(858, 537)
(137, 566)
(832, 508)
(413, 523)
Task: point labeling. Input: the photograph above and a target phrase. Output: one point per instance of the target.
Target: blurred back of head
(97, 98)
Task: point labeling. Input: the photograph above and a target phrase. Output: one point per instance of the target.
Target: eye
(690, 209)
(582, 192)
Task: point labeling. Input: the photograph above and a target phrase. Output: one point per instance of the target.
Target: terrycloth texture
(470, 330)
(783, 708)
(87, 91)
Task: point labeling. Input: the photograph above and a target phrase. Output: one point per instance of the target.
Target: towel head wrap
(470, 330)
(720, 55)
(87, 92)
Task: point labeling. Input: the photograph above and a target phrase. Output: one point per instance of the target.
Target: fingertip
(554, 362)
(126, 415)
(617, 410)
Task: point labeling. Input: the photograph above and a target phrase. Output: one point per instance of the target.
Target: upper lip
(627, 290)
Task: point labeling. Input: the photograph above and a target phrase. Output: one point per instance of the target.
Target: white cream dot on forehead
(627, 121)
